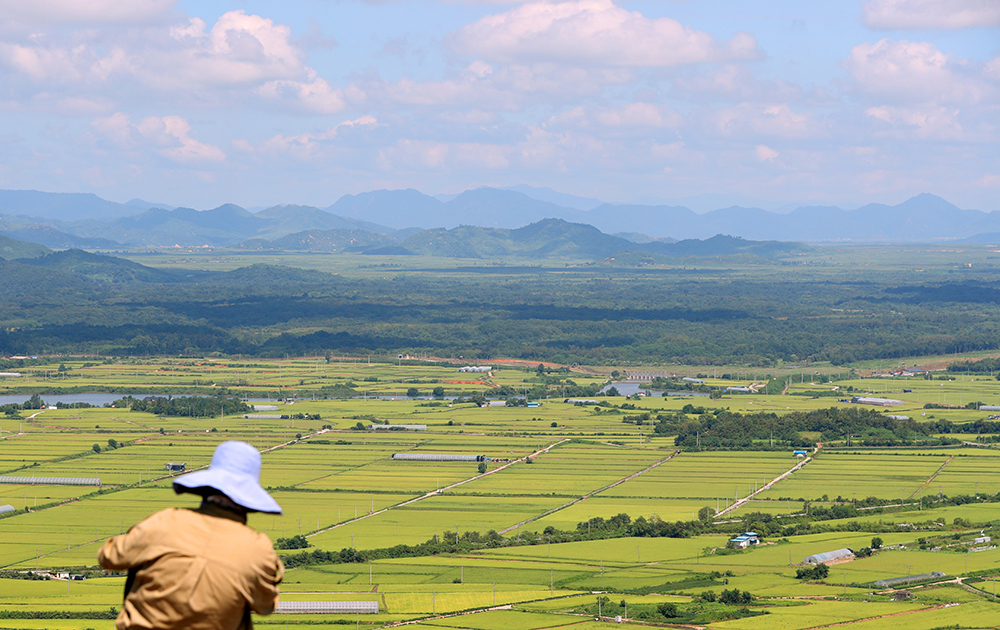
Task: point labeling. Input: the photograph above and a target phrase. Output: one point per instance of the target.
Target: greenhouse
(828, 556)
(366, 607)
(52, 481)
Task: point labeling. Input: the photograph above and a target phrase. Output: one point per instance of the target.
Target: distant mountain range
(390, 218)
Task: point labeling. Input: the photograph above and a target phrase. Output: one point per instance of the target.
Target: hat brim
(243, 491)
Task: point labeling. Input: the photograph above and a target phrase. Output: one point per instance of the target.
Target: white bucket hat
(235, 472)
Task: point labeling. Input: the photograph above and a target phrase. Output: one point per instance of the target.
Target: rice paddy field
(555, 466)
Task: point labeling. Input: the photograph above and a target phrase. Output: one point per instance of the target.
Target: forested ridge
(79, 302)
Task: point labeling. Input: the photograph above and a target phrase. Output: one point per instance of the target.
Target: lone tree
(668, 610)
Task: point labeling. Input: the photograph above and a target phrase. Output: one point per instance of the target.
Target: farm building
(742, 390)
(989, 408)
(800, 453)
(688, 379)
(879, 402)
(581, 401)
(265, 407)
(897, 417)
(264, 416)
(828, 556)
(397, 427)
(494, 403)
(176, 466)
(52, 481)
(6, 509)
(745, 540)
(908, 579)
(9, 374)
(437, 457)
(475, 368)
(366, 607)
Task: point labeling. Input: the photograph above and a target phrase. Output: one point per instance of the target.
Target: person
(201, 568)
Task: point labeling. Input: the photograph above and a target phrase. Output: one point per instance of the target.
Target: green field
(341, 489)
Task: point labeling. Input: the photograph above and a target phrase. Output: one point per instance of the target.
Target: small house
(744, 540)
(176, 466)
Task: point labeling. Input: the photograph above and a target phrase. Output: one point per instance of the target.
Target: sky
(263, 103)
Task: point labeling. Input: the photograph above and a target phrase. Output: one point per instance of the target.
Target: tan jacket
(195, 569)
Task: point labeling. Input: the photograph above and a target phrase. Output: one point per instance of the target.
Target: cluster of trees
(815, 572)
(294, 542)
(193, 406)
(725, 429)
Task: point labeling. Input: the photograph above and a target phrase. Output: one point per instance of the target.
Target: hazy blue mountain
(555, 238)
(142, 204)
(545, 239)
(80, 220)
(61, 206)
(395, 208)
(558, 198)
(291, 219)
(492, 207)
(986, 238)
(51, 237)
(184, 226)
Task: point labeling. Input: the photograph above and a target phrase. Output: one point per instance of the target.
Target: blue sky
(260, 103)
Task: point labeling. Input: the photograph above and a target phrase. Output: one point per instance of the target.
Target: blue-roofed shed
(745, 540)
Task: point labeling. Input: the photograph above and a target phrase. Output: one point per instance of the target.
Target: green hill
(101, 268)
(550, 238)
(12, 249)
(331, 241)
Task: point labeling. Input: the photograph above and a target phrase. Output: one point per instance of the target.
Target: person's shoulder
(162, 516)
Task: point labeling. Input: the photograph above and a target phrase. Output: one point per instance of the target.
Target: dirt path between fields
(931, 478)
(439, 491)
(741, 502)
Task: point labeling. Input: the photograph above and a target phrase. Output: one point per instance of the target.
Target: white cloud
(735, 82)
(85, 11)
(922, 123)
(240, 56)
(931, 14)
(316, 96)
(630, 118)
(748, 120)
(240, 49)
(168, 136)
(304, 146)
(593, 33)
(903, 71)
(422, 155)
(765, 153)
